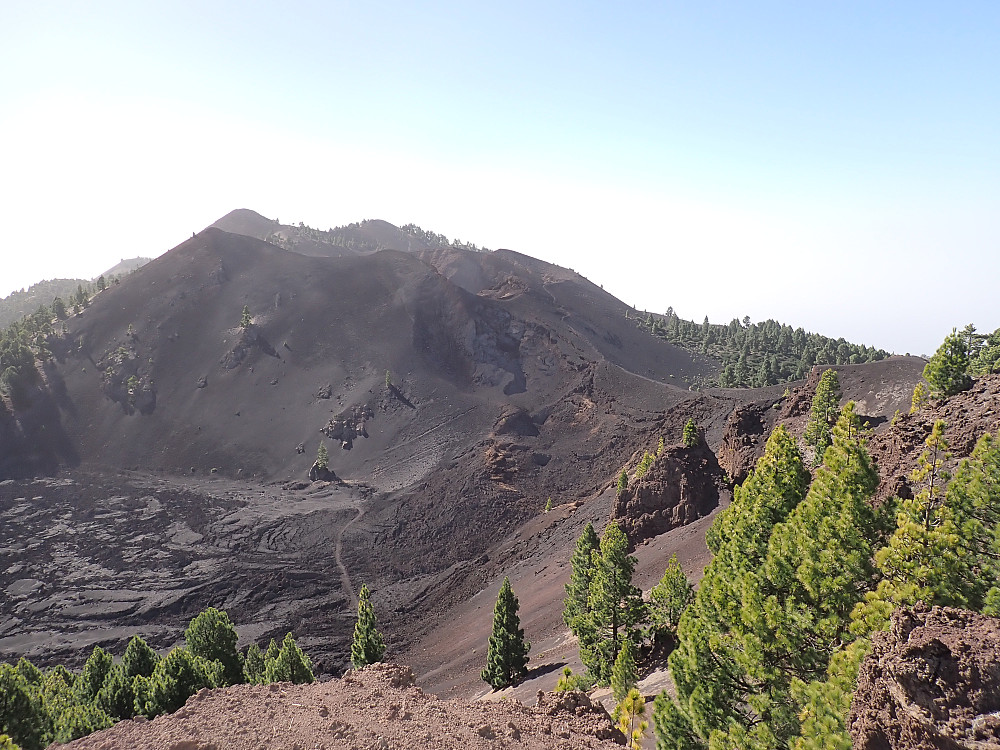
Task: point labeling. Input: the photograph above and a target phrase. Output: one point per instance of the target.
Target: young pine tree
(290, 665)
(920, 396)
(667, 602)
(624, 675)
(823, 413)
(322, 456)
(947, 371)
(690, 436)
(507, 657)
(630, 711)
(581, 571)
(622, 481)
(616, 606)
(368, 647)
(212, 636)
(245, 320)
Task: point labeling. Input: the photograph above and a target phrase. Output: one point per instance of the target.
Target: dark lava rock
(515, 421)
(681, 486)
(931, 682)
(321, 474)
(744, 438)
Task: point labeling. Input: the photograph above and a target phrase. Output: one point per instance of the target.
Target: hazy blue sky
(830, 165)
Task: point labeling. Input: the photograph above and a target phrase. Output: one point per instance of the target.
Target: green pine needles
(947, 371)
(690, 436)
(368, 647)
(507, 657)
(824, 412)
(40, 707)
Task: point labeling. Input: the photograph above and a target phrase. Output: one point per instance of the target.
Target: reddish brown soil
(377, 708)
(932, 682)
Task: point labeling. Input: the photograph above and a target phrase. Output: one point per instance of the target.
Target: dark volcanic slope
(212, 398)
(498, 401)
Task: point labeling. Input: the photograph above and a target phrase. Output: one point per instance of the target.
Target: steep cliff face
(744, 437)
(931, 682)
(681, 486)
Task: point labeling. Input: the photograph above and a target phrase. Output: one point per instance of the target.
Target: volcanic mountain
(456, 392)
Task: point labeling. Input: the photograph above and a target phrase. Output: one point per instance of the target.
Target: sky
(834, 166)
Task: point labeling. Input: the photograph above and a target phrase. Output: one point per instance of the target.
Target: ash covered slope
(159, 375)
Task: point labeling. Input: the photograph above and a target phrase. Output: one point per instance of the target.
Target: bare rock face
(744, 438)
(319, 473)
(681, 486)
(931, 682)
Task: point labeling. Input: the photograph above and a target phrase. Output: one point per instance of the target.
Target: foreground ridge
(379, 706)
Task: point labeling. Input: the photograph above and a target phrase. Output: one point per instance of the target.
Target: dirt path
(345, 577)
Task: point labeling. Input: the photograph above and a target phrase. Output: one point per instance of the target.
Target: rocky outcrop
(250, 338)
(319, 473)
(349, 425)
(514, 420)
(967, 415)
(744, 438)
(931, 682)
(681, 486)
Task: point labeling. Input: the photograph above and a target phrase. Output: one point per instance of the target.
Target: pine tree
(507, 657)
(668, 600)
(254, 665)
(823, 414)
(709, 664)
(212, 636)
(644, 464)
(139, 658)
(630, 711)
(322, 456)
(581, 571)
(690, 436)
(947, 372)
(116, 698)
(245, 320)
(178, 676)
(95, 671)
(290, 664)
(624, 675)
(622, 482)
(368, 647)
(920, 396)
(616, 606)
